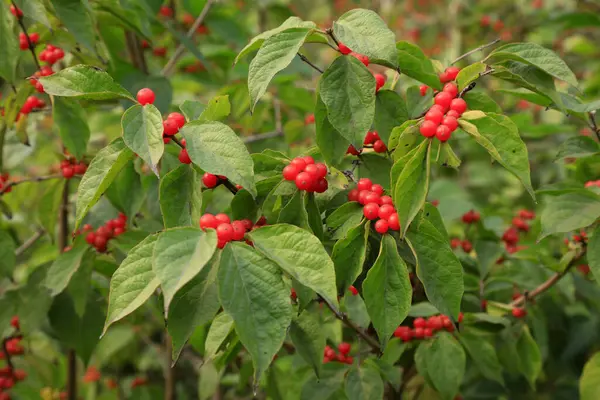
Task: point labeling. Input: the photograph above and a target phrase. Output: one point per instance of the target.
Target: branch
(29, 242)
(329, 31)
(136, 53)
(262, 136)
(468, 53)
(229, 185)
(593, 124)
(344, 318)
(168, 69)
(30, 44)
(306, 60)
(7, 354)
(169, 371)
(33, 179)
(472, 85)
(177, 142)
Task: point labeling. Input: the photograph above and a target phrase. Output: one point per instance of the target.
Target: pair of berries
(471, 217)
(442, 118)
(91, 375)
(145, 96)
(590, 184)
(44, 71)
(69, 168)
(51, 54)
(14, 347)
(34, 38)
(343, 357)
(345, 50)
(17, 12)
(372, 139)
(466, 245)
(159, 51)
(377, 206)
(32, 103)
(184, 157)
(104, 233)
(581, 238)
(426, 328)
(172, 124)
(227, 230)
(212, 181)
(308, 175)
(4, 178)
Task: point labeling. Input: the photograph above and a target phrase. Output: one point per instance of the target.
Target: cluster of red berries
(307, 174)
(32, 103)
(228, 231)
(581, 238)
(91, 375)
(104, 233)
(442, 118)
(4, 178)
(52, 54)
(70, 167)
(590, 184)
(194, 67)
(34, 38)
(471, 217)
(343, 357)
(44, 71)
(188, 20)
(377, 206)
(345, 50)
(426, 328)
(172, 124)
(9, 376)
(510, 237)
(373, 140)
(16, 11)
(466, 245)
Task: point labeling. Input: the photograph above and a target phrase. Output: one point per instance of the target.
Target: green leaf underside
(446, 363)
(308, 337)
(331, 143)
(589, 384)
(142, 133)
(569, 211)
(180, 197)
(62, 269)
(349, 256)
(364, 383)
(414, 63)
(71, 120)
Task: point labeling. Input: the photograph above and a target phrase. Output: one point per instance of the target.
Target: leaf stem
(262, 136)
(177, 142)
(329, 31)
(29, 242)
(593, 124)
(306, 60)
(29, 43)
(32, 179)
(482, 47)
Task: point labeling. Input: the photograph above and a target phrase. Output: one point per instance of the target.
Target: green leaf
(387, 290)
(578, 147)
(349, 256)
(366, 33)
(356, 309)
(325, 386)
(423, 309)
(49, 205)
(180, 197)
(377, 168)
(569, 211)
(179, 255)
(390, 112)
(364, 383)
(75, 17)
(219, 329)
(530, 358)
(256, 42)
(184, 39)
(308, 338)
(62, 269)
(500, 137)
(252, 291)
(126, 192)
(7, 253)
(276, 53)
(314, 215)
(216, 149)
(538, 56)
(344, 218)
(192, 109)
(103, 169)
(414, 63)
(71, 120)
(80, 284)
(132, 283)
(484, 356)
(332, 144)
(347, 89)
(438, 268)
(294, 212)
(403, 137)
(410, 189)
(589, 384)
(300, 254)
(9, 51)
(142, 133)
(528, 77)
(35, 10)
(488, 252)
(86, 82)
(481, 101)
(218, 108)
(470, 74)
(593, 253)
(446, 362)
(449, 157)
(195, 304)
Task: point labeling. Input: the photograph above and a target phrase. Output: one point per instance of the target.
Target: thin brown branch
(136, 53)
(168, 69)
(29, 42)
(262, 136)
(230, 186)
(482, 47)
(7, 354)
(169, 371)
(177, 142)
(29, 242)
(593, 124)
(32, 179)
(306, 60)
(329, 31)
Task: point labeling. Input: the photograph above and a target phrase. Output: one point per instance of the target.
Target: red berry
(443, 99)
(16, 11)
(445, 77)
(386, 200)
(308, 160)
(344, 49)
(225, 232)
(313, 170)
(419, 323)
(458, 105)
(239, 230)
(428, 129)
(100, 243)
(344, 348)
(427, 332)
(353, 195)
(322, 168)
(466, 246)
(34, 37)
(304, 181)
(364, 184)
(68, 172)
(377, 188)
(208, 221)
(385, 211)
(379, 146)
(423, 89)
(435, 323)
(362, 196)
(353, 290)
(14, 321)
(290, 172)
(394, 222)
(210, 180)
(80, 168)
(519, 312)
(224, 218)
(184, 157)
(452, 72)
(379, 81)
(299, 163)
(166, 11)
(352, 150)
(145, 96)
(321, 185)
(451, 123)
(485, 20)
(371, 137)
(178, 118)
(371, 211)
(118, 231)
(309, 119)
(451, 89)
(90, 238)
(382, 226)
(455, 243)
(247, 224)
(443, 133)
(435, 116)
(372, 197)
(170, 127)
(460, 317)
(361, 57)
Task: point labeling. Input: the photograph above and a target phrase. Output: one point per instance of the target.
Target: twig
(467, 89)
(33, 179)
(593, 124)
(29, 242)
(306, 60)
(350, 324)
(179, 52)
(468, 53)
(229, 185)
(262, 136)
(136, 53)
(169, 371)
(177, 142)
(29, 43)
(329, 31)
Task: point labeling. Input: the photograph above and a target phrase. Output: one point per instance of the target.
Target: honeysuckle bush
(325, 212)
